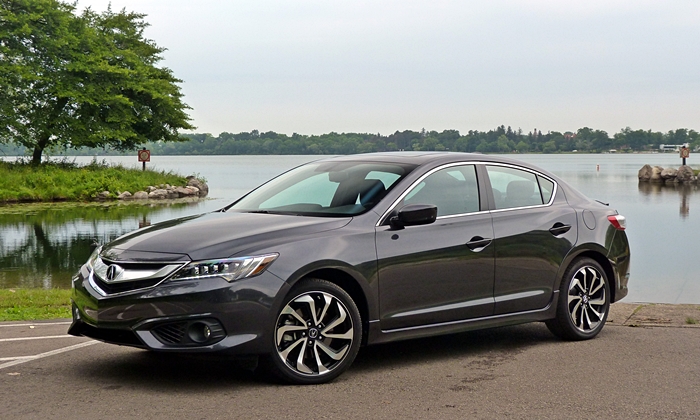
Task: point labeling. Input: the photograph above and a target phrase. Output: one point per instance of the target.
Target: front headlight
(93, 258)
(89, 266)
(230, 269)
(96, 265)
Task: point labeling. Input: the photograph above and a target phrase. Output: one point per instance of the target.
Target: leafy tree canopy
(88, 80)
(498, 140)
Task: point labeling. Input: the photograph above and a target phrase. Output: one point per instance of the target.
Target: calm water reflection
(670, 192)
(43, 245)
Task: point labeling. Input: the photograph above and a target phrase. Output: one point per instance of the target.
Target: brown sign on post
(685, 153)
(144, 156)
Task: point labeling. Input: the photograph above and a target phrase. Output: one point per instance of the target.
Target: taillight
(618, 221)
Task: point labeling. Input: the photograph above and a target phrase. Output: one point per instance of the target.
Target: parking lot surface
(511, 372)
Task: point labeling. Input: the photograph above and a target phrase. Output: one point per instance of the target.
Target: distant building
(672, 147)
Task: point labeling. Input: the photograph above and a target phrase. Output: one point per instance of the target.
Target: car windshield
(325, 189)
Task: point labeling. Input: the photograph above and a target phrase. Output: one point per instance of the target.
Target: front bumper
(207, 315)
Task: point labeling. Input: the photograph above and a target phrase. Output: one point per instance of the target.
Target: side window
(452, 190)
(517, 188)
(547, 188)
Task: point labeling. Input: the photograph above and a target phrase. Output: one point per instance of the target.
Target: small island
(23, 182)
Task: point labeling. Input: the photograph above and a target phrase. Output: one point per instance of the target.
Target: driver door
(443, 271)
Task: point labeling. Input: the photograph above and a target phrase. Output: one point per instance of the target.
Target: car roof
(440, 158)
(420, 158)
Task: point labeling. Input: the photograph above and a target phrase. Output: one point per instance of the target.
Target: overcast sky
(312, 67)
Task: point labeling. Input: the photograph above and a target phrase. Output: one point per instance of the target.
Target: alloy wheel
(587, 299)
(314, 333)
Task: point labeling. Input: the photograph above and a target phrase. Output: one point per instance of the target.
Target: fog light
(206, 332)
(199, 332)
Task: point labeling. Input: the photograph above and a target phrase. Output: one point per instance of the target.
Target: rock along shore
(658, 174)
(194, 188)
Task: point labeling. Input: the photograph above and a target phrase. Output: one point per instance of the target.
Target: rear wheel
(317, 334)
(584, 301)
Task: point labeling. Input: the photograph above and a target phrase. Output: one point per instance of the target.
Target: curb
(654, 315)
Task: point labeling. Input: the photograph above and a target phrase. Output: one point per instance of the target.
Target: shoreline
(654, 315)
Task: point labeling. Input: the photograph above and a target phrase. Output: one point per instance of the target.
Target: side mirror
(414, 215)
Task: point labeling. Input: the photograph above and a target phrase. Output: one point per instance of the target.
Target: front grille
(110, 278)
(113, 288)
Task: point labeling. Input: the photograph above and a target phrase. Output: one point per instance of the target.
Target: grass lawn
(34, 304)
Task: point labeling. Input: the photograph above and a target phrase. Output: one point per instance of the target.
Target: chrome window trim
(451, 216)
(393, 205)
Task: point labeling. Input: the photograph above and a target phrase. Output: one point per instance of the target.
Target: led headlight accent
(230, 269)
(93, 258)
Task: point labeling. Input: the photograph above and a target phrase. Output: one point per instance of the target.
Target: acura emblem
(114, 272)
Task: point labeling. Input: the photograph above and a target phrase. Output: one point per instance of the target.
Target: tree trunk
(39, 149)
(43, 141)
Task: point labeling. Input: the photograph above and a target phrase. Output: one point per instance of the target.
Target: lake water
(43, 245)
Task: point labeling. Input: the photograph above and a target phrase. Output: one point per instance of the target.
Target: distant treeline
(500, 140)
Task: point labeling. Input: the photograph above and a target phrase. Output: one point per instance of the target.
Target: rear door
(534, 229)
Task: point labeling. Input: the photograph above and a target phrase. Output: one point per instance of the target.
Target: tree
(429, 143)
(90, 80)
(522, 147)
(549, 147)
(504, 145)
(594, 139)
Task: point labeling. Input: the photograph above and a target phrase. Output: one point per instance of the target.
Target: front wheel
(584, 301)
(317, 334)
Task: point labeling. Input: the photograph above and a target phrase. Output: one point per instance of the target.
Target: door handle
(478, 243)
(559, 229)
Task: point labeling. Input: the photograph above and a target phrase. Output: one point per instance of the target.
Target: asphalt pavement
(645, 364)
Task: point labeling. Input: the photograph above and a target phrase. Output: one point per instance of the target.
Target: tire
(317, 334)
(584, 301)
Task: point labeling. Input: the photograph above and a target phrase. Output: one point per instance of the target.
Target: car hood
(213, 235)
